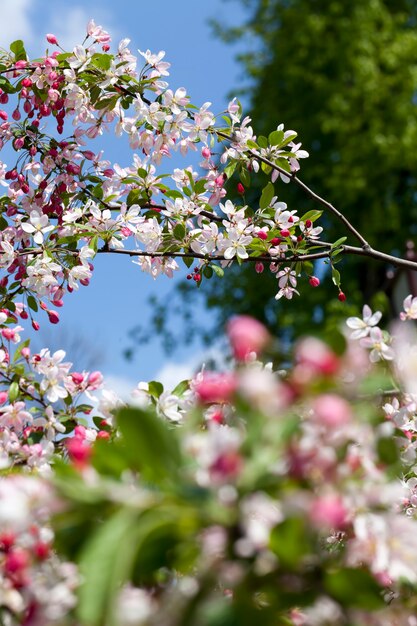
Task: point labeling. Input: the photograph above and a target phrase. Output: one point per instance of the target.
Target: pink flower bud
(219, 180)
(240, 189)
(261, 234)
(52, 39)
(314, 281)
(331, 410)
(341, 296)
(206, 152)
(94, 380)
(79, 452)
(7, 540)
(19, 143)
(16, 561)
(80, 432)
(25, 352)
(259, 267)
(285, 233)
(16, 115)
(328, 512)
(313, 354)
(35, 325)
(246, 335)
(3, 396)
(77, 378)
(53, 317)
(42, 550)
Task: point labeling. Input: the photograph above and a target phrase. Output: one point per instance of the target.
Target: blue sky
(96, 319)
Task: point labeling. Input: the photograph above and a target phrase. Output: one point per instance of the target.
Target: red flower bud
(314, 281)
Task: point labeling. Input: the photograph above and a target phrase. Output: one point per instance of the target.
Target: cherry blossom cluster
(63, 202)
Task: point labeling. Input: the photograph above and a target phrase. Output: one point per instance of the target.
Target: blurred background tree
(343, 74)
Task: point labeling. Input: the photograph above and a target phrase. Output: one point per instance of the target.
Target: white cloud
(172, 373)
(121, 385)
(16, 21)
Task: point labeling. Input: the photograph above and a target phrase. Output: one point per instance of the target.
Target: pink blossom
(214, 387)
(246, 335)
(317, 356)
(328, 512)
(331, 410)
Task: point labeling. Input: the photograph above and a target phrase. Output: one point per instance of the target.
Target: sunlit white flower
(362, 327)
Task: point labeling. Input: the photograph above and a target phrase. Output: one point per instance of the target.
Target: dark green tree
(343, 74)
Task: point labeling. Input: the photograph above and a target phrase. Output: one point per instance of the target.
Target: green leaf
(230, 168)
(188, 261)
(276, 137)
(266, 168)
(263, 141)
(6, 85)
(18, 351)
(354, 588)
(252, 144)
(200, 185)
(18, 49)
(32, 303)
(142, 172)
(133, 197)
(63, 56)
(312, 216)
(179, 231)
(339, 242)
(218, 270)
(181, 388)
(106, 103)
(268, 193)
(155, 388)
(105, 563)
(13, 391)
(173, 194)
(290, 542)
(102, 61)
(387, 450)
(336, 276)
(244, 177)
(208, 271)
(151, 446)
